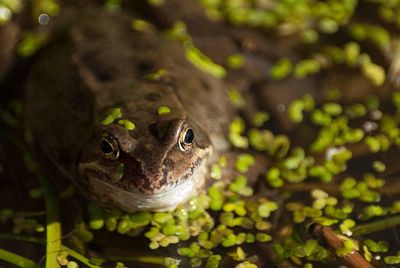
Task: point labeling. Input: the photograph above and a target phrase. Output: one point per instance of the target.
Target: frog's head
(155, 166)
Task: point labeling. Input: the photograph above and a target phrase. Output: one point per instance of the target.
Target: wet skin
(100, 64)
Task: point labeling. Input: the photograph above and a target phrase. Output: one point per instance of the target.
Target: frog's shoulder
(58, 108)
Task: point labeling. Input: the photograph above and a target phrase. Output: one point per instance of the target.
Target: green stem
(53, 226)
(142, 259)
(158, 260)
(376, 226)
(16, 259)
(79, 257)
(20, 237)
(37, 240)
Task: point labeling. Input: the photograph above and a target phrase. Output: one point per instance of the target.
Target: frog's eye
(109, 147)
(186, 138)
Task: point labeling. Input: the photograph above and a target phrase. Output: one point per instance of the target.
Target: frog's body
(103, 64)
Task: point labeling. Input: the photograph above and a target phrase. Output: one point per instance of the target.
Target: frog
(123, 113)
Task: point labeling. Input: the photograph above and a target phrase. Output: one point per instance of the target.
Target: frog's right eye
(109, 147)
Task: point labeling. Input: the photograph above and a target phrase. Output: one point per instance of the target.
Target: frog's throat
(130, 201)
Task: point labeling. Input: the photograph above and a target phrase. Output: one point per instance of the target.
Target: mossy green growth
(157, 75)
(306, 67)
(295, 111)
(372, 211)
(235, 61)
(260, 118)
(239, 185)
(281, 69)
(129, 125)
(30, 43)
(204, 63)
(111, 115)
(216, 171)
(392, 259)
(273, 177)
(379, 166)
(380, 246)
(375, 73)
(244, 162)
(141, 25)
(347, 248)
(236, 98)
(97, 216)
(163, 110)
(346, 225)
(265, 208)
(236, 129)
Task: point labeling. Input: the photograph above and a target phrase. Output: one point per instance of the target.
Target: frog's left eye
(109, 147)
(186, 139)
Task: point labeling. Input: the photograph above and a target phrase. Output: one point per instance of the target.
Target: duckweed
(236, 130)
(375, 73)
(380, 246)
(157, 75)
(246, 264)
(332, 109)
(163, 110)
(236, 98)
(31, 43)
(347, 248)
(295, 111)
(328, 26)
(233, 214)
(213, 261)
(141, 25)
(346, 225)
(372, 211)
(281, 69)
(392, 259)
(379, 166)
(356, 111)
(352, 52)
(216, 172)
(265, 209)
(203, 62)
(235, 61)
(112, 115)
(306, 67)
(244, 162)
(260, 118)
(310, 36)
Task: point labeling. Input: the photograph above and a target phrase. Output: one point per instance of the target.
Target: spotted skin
(101, 63)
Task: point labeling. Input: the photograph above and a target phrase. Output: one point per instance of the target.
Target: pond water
(311, 176)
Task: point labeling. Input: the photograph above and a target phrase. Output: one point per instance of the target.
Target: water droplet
(281, 108)
(5, 14)
(43, 19)
(370, 126)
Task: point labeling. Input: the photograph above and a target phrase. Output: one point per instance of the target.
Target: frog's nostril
(160, 129)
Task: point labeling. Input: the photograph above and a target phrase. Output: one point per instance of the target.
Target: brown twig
(328, 238)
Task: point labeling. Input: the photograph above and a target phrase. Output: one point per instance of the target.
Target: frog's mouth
(103, 190)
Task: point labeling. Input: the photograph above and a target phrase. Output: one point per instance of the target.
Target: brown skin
(102, 63)
(9, 35)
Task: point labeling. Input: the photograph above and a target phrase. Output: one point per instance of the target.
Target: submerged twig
(327, 236)
(334, 189)
(376, 226)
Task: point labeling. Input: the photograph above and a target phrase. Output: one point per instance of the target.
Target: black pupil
(106, 147)
(189, 136)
